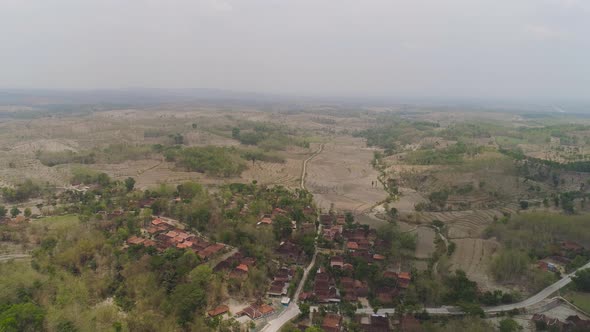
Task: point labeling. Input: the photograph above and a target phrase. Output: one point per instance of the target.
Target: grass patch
(580, 299)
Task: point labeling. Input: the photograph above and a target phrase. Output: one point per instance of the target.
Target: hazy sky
(447, 48)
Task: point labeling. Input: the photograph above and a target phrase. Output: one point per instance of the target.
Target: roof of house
(352, 245)
(242, 267)
(222, 309)
(332, 321)
(135, 240)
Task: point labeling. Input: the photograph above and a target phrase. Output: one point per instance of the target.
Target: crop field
(473, 256)
(342, 175)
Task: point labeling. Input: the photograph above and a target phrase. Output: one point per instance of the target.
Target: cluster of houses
(558, 263)
(333, 322)
(163, 234)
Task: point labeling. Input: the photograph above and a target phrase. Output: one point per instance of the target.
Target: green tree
(14, 211)
(27, 212)
(235, 133)
(3, 211)
(582, 280)
(129, 184)
(186, 299)
(314, 329)
(509, 325)
(282, 227)
(22, 317)
(189, 190)
(305, 309)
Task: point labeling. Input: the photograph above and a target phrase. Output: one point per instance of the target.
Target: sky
(522, 49)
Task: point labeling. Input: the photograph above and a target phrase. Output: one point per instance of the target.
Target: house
(352, 246)
(386, 295)
(324, 288)
(290, 252)
(332, 323)
(265, 220)
(337, 261)
(134, 240)
(278, 211)
(577, 323)
(549, 323)
(570, 246)
(403, 279)
(248, 261)
(220, 310)
(256, 311)
(211, 250)
(243, 268)
(374, 323)
(307, 229)
(326, 219)
(378, 257)
(278, 288)
(409, 323)
(304, 296)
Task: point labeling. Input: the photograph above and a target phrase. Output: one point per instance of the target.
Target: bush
(216, 161)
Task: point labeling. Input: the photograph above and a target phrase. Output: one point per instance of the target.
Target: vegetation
(22, 191)
(215, 161)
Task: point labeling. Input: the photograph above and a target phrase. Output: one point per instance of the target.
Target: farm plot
(474, 256)
(342, 175)
(465, 224)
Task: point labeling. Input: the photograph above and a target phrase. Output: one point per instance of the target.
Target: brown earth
(342, 174)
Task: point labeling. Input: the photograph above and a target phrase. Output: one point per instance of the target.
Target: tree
(524, 205)
(14, 211)
(509, 325)
(129, 184)
(28, 212)
(22, 317)
(304, 308)
(282, 227)
(3, 211)
(235, 133)
(186, 299)
(582, 280)
(189, 190)
(313, 329)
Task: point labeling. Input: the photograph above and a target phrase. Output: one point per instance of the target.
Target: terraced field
(465, 224)
(473, 256)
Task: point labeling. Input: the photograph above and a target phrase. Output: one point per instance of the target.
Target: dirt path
(305, 162)
(9, 257)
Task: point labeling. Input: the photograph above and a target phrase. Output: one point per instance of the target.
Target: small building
(220, 310)
(337, 261)
(285, 301)
(332, 323)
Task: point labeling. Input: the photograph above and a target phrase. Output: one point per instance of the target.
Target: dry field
(462, 224)
(473, 256)
(342, 175)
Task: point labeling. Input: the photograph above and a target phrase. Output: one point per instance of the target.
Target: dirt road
(9, 257)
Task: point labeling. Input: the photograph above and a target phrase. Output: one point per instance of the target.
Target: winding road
(533, 300)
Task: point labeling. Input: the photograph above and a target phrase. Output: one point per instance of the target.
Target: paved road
(533, 300)
(13, 256)
(292, 310)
